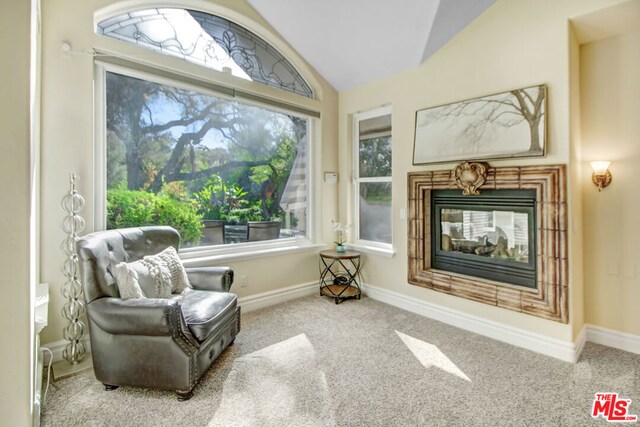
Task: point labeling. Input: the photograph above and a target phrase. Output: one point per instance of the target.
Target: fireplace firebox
(490, 235)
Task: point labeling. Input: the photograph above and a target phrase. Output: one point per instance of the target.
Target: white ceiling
(352, 42)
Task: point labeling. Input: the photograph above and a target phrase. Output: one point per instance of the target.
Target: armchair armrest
(138, 316)
(211, 278)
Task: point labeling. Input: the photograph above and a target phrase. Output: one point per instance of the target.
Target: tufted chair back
(100, 252)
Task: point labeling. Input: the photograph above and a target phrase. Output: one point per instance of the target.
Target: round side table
(340, 275)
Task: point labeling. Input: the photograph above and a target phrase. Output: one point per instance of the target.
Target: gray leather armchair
(158, 343)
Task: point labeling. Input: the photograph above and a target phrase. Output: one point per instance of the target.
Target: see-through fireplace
(491, 235)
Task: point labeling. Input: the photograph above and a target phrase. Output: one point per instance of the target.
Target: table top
(338, 255)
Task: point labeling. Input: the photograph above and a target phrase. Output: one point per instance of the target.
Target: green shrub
(127, 208)
(227, 202)
(240, 216)
(217, 199)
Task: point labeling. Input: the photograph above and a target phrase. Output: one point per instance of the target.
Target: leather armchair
(158, 343)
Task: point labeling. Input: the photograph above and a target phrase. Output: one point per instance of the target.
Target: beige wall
(15, 174)
(576, 266)
(68, 139)
(610, 91)
(515, 43)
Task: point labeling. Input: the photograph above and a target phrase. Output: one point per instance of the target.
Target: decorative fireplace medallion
(549, 299)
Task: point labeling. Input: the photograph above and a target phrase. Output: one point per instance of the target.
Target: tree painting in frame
(509, 124)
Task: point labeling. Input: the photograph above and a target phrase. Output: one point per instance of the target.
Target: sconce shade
(600, 167)
(601, 176)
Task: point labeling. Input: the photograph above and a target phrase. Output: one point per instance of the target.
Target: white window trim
(373, 247)
(208, 255)
(203, 255)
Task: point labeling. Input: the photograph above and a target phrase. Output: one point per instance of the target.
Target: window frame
(202, 255)
(372, 246)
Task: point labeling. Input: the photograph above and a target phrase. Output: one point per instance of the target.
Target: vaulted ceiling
(352, 42)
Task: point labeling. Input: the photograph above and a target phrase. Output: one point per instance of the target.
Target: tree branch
(528, 96)
(174, 123)
(146, 107)
(183, 176)
(526, 112)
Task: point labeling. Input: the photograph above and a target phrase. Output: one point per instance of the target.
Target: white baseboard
(265, 299)
(612, 338)
(563, 350)
(581, 341)
(57, 347)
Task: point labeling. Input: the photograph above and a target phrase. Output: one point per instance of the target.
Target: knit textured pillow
(170, 260)
(154, 276)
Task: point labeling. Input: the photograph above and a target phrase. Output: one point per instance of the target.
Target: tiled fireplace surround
(549, 300)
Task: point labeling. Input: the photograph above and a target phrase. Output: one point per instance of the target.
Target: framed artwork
(508, 124)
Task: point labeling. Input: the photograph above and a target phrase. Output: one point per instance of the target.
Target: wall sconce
(601, 175)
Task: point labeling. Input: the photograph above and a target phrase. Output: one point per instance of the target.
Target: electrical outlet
(243, 282)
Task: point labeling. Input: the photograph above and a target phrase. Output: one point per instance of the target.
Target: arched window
(221, 163)
(207, 40)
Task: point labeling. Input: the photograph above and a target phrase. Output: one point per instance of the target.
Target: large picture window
(372, 178)
(218, 170)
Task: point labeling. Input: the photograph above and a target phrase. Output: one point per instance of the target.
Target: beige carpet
(263, 388)
(362, 363)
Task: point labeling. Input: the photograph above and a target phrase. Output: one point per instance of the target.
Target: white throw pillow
(127, 281)
(177, 275)
(154, 276)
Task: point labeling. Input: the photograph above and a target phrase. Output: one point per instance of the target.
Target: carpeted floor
(310, 362)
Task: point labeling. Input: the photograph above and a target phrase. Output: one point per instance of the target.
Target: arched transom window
(207, 40)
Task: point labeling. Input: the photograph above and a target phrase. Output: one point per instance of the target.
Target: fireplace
(506, 246)
(490, 235)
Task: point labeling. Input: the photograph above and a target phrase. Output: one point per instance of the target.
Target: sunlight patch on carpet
(430, 355)
(280, 385)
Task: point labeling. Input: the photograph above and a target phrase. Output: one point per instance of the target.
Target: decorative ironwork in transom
(207, 40)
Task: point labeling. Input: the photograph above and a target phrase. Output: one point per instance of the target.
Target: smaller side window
(372, 177)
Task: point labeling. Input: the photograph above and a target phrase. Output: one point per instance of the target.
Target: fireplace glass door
(490, 236)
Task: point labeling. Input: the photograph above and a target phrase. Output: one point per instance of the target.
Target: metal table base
(340, 275)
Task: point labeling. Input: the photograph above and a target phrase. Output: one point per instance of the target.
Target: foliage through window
(181, 157)
(373, 177)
